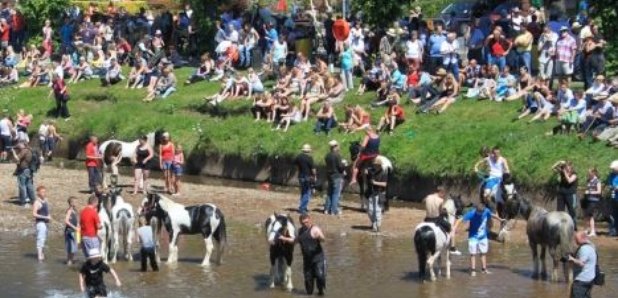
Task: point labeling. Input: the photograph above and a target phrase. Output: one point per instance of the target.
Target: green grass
(444, 146)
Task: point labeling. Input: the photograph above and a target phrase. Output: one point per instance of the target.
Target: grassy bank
(429, 145)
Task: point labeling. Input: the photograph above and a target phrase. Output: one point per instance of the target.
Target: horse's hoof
(433, 278)
(272, 285)
(448, 277)
(289, 289)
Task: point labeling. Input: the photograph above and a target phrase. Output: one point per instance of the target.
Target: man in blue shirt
(477, 235)
(612, 183)
(435, 45)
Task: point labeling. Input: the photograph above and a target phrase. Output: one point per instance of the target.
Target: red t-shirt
(413, 79)
(92, 150)
(89, 221)
(5, 33)
(497, 49)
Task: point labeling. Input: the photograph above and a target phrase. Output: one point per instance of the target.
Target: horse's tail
(220, 233)
(425, 243)
(565, 228)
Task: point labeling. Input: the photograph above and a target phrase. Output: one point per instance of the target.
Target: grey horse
(550, 230)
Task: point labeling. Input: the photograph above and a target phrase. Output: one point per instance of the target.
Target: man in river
(89, 223)
(40, 211)
(376, 193)
(91, 275)
(584, 261)
(434, 211)
(498, 166)
(335, 168)
(307, 176)
(310, 238)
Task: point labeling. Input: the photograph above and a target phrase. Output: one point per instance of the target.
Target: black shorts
(6, 143)
(591, 208)
(94, 291)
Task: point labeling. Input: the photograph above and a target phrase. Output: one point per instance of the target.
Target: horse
(178, 219)
(122, 219)
(114, 151)
(550, 230)
(105, 232)
(431, 240)
(387, 167)
(496, 198)
(281, 253)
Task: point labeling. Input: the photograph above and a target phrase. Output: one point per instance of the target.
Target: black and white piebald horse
(549, 230)
(281, 253)
(387, 167)
(431, 240)
(178, 219)
(114, 151)
(122, 219)
(105, 232)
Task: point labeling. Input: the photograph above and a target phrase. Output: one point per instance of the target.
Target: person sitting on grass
(372, 78)
(91, 275)
(570, 115)
(394, 116)
(381, 95)
(524, 83)
(449, 94)
(505, 84)
(262, 106)
(538, 92)
(315, 91)
(37, 77)
(136, 76)
(166, 85)
(113, 75)
(203, 71)
(82, 71)
(292, 116)
(282, 106)
(227, 89)
(357, 119)
(255, 83)
(326, 119)
(9, 76)
(471, 74)
(67, 66)
(598, 117)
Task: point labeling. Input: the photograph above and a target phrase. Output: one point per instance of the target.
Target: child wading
(91, 275)
(71, 228)
(477, 235)
(148, 246)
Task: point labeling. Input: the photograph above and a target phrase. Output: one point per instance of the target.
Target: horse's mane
(111, 151)
(167, 203)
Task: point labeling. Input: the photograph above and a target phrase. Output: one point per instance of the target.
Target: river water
(358, 266)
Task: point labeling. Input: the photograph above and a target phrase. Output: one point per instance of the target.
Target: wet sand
(242, 206)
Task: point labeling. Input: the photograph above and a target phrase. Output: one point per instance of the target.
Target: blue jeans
(331, 205)
(167, 92)
(524, 59)
(324, 125)
(305, 194)
(26, 187)
(94, 178)
(245, 56)
(453, 67)
(499, 61)
(613, 222)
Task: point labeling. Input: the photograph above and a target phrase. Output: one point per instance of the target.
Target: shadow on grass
(221, 110)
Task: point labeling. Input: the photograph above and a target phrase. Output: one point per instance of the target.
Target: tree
(37, 11)
(381, 13)
(604, 13)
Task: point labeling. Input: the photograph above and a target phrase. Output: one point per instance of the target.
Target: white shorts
(476, 246)
(564, 68)
(41, 234)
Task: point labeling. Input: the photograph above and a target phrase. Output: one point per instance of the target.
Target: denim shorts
(168, 165)
(177, 169)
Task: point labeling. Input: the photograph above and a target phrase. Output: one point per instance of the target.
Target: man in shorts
(566, 48)
(477, 235)
(89, 223)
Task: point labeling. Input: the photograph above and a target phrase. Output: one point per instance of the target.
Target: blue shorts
(177, 169)
(70, 242)
(492, 183)
(168, 166)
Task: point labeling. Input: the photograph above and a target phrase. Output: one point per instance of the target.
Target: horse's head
(279, 224)
(517, 206)
(154, 138)
(355, 148)
(112, 151)
(105, 201)
(459, 204)
(508, 188)
(114, 194)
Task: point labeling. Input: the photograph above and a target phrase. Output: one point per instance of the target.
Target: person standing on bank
(310, 238)
(567, 189)
(147, 251)
(71, 226)
(41, 211)
(376, 193)
(335, 168)
(59, 90)
(585, 262)
(93, 160)
(307, 175)
(25, 176)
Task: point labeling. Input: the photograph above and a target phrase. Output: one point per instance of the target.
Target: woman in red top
(5, 31)
(499, 48)
(394, 114)
(166, 160)
(59, 90)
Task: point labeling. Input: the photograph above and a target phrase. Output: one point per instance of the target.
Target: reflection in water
(358, 266)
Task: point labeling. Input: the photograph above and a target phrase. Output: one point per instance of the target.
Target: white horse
(431, 240)
(281, 253)
(205, 219)
(105, 233)
(122, 220)
(113, 151)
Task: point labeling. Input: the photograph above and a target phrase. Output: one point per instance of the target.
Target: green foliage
(37, 11)
(604, 11)
(381, 13)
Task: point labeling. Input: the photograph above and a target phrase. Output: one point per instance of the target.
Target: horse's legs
(273, 268)
(115, 241)
(440, 264)
(209, 247)
(430, 262)
(543, 264)
(448, 261)
(535, 260)
(568, 272)
(555, 259)
(173, 249)
(288, 272)
(129, 243)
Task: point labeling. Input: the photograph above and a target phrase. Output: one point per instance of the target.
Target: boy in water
(147, 251)
(91, 275)
(71, 228)
(477, 234)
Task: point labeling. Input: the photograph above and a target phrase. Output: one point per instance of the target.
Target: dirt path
(240, 205)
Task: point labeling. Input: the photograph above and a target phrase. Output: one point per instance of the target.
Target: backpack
(35, 161)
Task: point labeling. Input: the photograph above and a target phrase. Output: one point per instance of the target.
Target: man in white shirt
(448, 49)
(547, 50)
(232, 34)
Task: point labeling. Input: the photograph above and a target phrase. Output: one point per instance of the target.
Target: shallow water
(358, 266)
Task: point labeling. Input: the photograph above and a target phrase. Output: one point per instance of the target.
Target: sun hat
(94, 253)
(564, 28)
(158, 32)
(613, 98)
(391, 32)
(576, 25)
(306, 148)
(614, 165)
(441, 72)
(333, 143)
